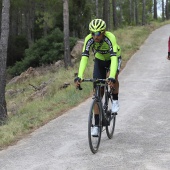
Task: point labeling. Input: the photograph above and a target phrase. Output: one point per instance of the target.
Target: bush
(17, 46)
(44, 51)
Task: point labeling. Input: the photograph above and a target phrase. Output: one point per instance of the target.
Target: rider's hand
(77, 81)
(111, 82)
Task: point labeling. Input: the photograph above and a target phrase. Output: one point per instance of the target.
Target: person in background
(168, 57)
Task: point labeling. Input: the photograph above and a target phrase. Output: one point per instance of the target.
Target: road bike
(107, 119)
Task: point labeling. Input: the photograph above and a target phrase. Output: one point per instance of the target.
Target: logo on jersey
(109, 43)
(89, 43)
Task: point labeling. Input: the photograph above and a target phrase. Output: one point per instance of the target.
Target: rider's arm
(85, 55)
(82, 67)
(113, 67)
(114, 55)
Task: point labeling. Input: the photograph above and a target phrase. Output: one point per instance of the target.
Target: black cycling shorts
(101, 67)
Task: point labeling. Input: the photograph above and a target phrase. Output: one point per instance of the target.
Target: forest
(36, 26)
(35, 32)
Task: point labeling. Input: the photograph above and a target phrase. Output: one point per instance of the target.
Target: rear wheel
(110, 129)
(112, 121)
(94, 141)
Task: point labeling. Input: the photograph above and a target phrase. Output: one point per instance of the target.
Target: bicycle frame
(105, 116)
(97, 94)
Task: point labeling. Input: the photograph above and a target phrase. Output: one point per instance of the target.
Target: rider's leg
(115, 93)
(96, 108)
(116, 89)
(99, 72)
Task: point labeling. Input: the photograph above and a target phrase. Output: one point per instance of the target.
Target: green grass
(27, 113)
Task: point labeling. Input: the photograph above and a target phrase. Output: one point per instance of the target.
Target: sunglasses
(96, 33)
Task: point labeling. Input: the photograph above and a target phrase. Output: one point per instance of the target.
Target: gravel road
(142, 135)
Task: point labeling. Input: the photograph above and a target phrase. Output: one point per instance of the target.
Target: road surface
(142, 135)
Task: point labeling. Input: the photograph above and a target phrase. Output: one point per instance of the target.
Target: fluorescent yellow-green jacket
(106, 50)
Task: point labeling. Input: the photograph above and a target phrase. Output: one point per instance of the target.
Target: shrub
(44, 51)
(17, 46)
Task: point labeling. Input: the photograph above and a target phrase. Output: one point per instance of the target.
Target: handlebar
(94, 80)
(91, 80)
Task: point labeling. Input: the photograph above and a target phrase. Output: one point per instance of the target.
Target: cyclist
(107, 55)
(168, 57)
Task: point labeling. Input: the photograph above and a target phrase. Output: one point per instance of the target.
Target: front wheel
(94, 141)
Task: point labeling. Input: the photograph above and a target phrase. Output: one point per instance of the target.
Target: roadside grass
(27, 114)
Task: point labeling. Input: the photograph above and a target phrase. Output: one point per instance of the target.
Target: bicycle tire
(110, 129)
(94, 142)
(112, 121)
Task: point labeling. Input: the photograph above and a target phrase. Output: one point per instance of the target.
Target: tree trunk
(130, 11)
(119, 22)
(163, 11)
(106, 12)
(115, 23)
(3, 56)
(136, 12)
(155, 16)
(67, 57)
(45, 26)
(29, 18)
(143, 13)
(167, 10)
(97, 9)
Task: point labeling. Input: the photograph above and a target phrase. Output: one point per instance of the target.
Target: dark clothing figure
(169, 49)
